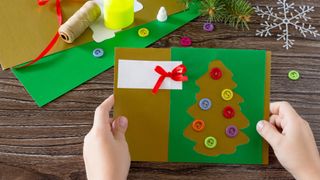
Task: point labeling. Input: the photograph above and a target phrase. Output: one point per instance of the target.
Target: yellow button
(143, 32)
(227, 94)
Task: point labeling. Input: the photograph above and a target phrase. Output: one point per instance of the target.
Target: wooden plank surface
(46, 143)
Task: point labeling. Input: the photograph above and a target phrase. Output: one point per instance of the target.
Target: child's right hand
(105, 149)
(292, 141)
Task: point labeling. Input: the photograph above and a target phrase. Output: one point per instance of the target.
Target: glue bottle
(118, 14)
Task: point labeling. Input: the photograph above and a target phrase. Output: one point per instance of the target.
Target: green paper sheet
(59, 73)
(240, 62)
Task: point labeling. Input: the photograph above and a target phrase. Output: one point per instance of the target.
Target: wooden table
(46, 143)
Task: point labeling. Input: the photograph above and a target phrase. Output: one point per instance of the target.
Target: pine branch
(186, 3)
(234, 12)
(214, 9)
(240, 12)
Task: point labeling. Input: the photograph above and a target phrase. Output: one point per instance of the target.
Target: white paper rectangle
(140, 74)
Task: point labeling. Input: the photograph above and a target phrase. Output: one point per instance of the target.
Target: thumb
(269, 133)
(120, 126)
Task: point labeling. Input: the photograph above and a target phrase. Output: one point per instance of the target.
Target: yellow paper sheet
(155, 138)
(27, 28)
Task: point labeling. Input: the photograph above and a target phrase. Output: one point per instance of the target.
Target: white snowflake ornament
(286, 16)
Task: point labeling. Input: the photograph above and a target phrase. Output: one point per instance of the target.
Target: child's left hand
(105, 151)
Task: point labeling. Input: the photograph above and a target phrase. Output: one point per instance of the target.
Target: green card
(210, 118)
(59, 73)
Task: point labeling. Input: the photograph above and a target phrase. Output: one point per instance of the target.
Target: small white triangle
(162, 15)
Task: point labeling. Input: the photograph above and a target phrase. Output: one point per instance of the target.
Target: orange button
(198, 125)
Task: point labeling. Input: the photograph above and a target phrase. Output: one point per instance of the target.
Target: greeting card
(193, 104)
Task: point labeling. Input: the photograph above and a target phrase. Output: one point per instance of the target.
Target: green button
(210, 142)
(293, 75)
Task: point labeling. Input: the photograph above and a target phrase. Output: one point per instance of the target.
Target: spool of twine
(79, 21)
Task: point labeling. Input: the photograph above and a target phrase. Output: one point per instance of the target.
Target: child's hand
(105, 151)
(292, 141)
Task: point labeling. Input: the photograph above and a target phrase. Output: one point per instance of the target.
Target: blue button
(205, 104)
(98, 52)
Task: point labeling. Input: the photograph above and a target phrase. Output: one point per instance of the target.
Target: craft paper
(215, 121)
(59, 73)
(160, 124)
(141, 75)
(28, 28)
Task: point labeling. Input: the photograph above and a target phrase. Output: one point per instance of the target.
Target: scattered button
(232, 131)
(227, 94)
(216, 73)
(98, 52)
(294, 75)
(205, 104)
(198, 125)
(228, 112)
(208, 27)
(143, 32)
(210, 142)
(185, 41)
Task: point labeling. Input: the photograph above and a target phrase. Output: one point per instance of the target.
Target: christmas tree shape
(217, 118)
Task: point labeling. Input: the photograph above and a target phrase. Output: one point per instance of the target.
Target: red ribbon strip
(42, 2)
(176, 74)
(54, 39)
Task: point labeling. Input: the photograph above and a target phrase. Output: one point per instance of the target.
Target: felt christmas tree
(218, 123)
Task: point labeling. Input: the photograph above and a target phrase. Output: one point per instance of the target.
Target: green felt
(248, 68)
(59, 73)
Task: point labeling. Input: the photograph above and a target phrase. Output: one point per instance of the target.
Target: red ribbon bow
(176, 74)
(54, 39)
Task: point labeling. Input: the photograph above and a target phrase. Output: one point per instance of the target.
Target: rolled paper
(118, 13)
(79, 21)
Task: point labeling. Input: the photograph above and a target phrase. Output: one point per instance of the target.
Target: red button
(185, 41)
(228, 112)
(198, 125)
(216, 73)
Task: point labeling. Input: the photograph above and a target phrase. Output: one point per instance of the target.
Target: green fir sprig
(233, 12)
(214, 9)
(239, 13)
(186, 2)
